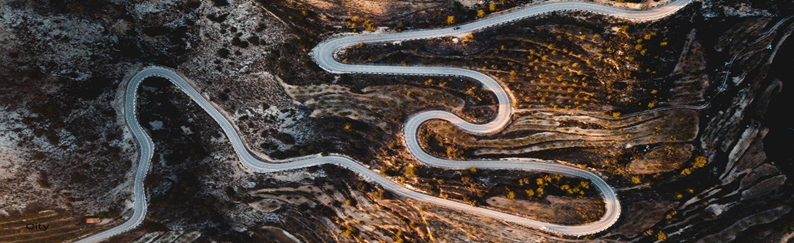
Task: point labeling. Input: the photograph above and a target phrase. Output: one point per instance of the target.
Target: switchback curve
(324, 56)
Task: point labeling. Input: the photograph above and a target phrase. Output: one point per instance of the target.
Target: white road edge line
(324, 56)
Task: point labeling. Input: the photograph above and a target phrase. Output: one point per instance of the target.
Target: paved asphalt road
(324, 55)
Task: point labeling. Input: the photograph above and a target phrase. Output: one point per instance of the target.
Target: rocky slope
(65, 151)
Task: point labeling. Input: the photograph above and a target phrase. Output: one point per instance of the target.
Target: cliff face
(748, 197)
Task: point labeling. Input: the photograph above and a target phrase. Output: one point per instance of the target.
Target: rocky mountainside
(66, 153)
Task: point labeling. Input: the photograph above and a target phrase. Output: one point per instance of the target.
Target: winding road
(324, 56)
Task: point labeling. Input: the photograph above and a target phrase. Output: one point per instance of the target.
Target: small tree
(661, 236)
(410, 172)
(700, 161)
